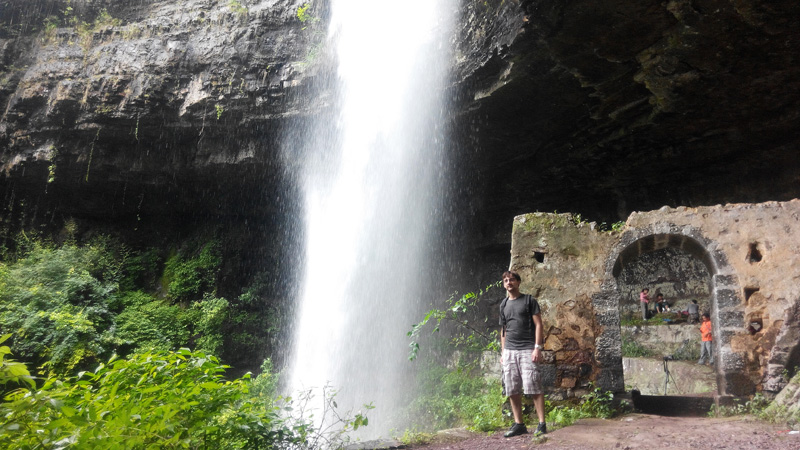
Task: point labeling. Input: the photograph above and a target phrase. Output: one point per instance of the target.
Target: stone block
(608, 318)
(727, 298)
(725, 280)
(548, 374)
(732, 319)
(605, 300)
(611, 379)
(731, 361)
(725, 336)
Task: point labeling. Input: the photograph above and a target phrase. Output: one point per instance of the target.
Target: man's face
(510, 284)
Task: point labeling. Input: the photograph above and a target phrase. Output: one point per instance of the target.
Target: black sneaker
(541, 429)
(516, 430)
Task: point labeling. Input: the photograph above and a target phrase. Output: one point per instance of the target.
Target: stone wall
(751, 252)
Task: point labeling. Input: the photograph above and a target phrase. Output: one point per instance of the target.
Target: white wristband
(537, 346)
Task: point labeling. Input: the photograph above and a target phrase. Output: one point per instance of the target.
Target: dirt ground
(640, 431)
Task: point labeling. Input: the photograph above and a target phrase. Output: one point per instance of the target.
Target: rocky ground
(639, 431)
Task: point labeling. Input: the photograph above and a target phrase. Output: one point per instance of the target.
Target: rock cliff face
(156, 108)
(152, 108)
(605, 107)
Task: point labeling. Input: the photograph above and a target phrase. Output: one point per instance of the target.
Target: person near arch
(706, 340)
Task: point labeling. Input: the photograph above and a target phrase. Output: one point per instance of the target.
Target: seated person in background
(694, 312)
(661, 304)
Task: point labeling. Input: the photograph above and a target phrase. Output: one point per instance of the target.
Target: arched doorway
(724, 302)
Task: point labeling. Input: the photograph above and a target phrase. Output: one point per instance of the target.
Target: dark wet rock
(176, 108)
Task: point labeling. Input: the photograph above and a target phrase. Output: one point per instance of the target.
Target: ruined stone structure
(751, 252)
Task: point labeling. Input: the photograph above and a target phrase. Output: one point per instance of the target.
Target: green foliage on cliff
(189, 274)
(55, 301)
(70, 306)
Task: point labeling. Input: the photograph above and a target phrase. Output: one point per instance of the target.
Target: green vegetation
(458, 396)
(633, 349)
(303, 14)
(72, 305)
(756, 406)
(84, 29)
(237, 7)
(98, 325)
(166, 400)
(460, 314)
(761, 408)
(597, 403)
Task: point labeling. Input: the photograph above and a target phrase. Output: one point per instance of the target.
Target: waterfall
(373, 178)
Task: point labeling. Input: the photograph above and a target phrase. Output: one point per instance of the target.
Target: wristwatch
(537, 346)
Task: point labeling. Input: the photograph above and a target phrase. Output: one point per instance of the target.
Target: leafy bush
(152, 400)
(597, 403)
(150, 323)
(55, 302)
(189, 277)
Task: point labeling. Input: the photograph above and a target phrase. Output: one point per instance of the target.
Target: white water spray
(372, 191)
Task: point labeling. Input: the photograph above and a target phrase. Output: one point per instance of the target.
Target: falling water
(372, 187)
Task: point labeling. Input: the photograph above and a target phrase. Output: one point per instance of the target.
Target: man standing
(521, 344)
(705, 345)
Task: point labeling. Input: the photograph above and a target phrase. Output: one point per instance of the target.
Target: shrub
(55, 302)
(189, 277)
(150, 323)
(152, 400)
(597, 403)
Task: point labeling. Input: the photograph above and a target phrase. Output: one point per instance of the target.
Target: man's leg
(538, 402)
(516, 407)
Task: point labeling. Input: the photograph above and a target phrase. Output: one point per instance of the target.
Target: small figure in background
(661, 304)
(705, 344)
(694, 312)
(644, 299)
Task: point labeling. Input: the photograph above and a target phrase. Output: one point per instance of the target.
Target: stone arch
(726, 303)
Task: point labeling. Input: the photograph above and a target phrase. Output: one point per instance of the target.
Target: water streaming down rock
(372, 184)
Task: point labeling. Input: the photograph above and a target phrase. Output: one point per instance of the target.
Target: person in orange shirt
(705, 344)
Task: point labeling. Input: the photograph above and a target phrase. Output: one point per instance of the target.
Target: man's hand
(536, 356)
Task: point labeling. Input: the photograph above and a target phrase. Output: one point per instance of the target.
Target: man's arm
(502, 342)
(536, 356)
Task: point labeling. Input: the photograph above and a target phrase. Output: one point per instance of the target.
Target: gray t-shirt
(516, 317)
(693, 308)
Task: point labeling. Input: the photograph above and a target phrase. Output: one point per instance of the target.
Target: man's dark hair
(694, 301)
(511, 274)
